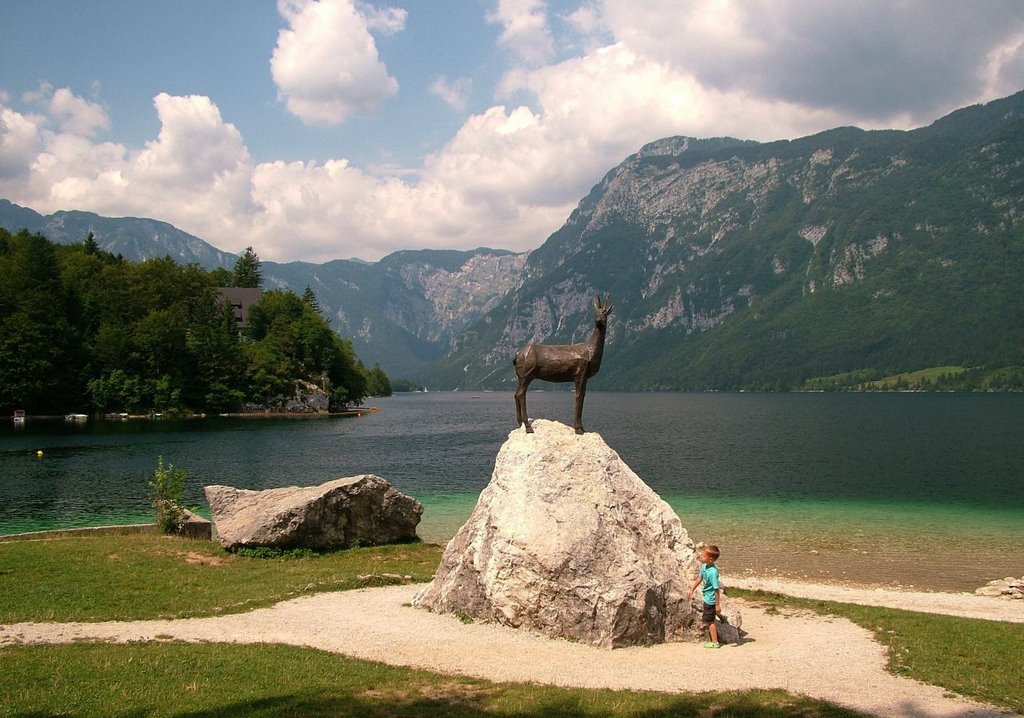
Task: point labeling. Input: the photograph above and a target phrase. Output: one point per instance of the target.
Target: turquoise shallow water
(927, 547)
(891, 488)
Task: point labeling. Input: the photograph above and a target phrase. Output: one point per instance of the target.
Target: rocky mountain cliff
(737, 264)
(404, 311)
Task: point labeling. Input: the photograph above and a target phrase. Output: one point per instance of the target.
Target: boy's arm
(718, 602)
(694, 586)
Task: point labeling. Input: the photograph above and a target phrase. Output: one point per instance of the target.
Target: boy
(712, 591)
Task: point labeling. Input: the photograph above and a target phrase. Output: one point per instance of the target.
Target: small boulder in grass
(362, 510)
(1009, 587)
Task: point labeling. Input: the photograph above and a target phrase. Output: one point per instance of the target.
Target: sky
(331, 129)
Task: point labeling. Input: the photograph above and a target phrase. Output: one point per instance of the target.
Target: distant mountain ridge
(404, 311)
(134, 238)
(731, 264)
(401, 312)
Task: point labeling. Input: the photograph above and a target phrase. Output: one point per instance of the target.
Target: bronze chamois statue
(562, 362)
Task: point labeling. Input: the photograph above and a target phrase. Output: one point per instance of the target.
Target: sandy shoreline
(795, 650)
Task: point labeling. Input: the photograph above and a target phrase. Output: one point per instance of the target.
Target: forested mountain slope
(738, 264)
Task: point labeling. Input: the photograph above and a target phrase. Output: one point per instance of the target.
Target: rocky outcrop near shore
(307, 398)
(362, 510)
(566, 540)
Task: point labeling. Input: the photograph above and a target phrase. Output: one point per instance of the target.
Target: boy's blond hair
(711, 550)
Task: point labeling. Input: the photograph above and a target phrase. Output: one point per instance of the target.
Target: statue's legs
(581, 391)
(522, 418)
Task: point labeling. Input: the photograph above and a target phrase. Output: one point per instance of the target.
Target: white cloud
(335, 210)
(454, 93)
(585, 20)
(511, 174)
(196, 174)
(200, 161)
(526, 32)
(194, 146)
(387, 20)
(618, 99)
(19, 141)
(326, 66)
(874, 61)
(1004, 69)
(76, 115)
(71, 113)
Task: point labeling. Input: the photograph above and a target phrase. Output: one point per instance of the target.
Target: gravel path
(831, 659)
(966, 605)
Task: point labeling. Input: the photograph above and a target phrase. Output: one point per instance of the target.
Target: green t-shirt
(709, 575)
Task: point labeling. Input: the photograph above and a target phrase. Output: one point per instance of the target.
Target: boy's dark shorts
(708, 616)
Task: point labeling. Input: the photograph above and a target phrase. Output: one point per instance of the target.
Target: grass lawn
(104, 577)
(916, 378)
(207, 680)
(135, 576)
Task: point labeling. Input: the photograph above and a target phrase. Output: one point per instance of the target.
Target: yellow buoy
(39, 453)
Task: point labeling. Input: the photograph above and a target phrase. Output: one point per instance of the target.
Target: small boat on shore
(19, 416)
(76, 417)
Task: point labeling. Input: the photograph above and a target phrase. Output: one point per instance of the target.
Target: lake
(923, 490)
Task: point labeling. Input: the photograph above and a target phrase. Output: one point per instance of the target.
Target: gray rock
(728, 633)
(567, 541)
(729, 629)
(358, 510)
(307, 398)
(1008, 587)
(196, 527)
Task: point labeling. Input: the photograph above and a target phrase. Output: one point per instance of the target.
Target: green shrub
(276, 553)
(166, 488)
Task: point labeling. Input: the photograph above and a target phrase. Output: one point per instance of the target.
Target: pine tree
(249, 270)
(309, 299)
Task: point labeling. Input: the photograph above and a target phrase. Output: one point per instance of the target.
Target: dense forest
(84, 330)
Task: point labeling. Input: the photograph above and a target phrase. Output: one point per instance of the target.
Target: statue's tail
(522, 356)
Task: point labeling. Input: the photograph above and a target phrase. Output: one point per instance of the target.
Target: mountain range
(730, 263)
(402, 312)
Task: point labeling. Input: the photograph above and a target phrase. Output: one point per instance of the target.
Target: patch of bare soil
(203, 559)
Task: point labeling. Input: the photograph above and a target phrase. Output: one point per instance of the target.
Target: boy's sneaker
(712, 644)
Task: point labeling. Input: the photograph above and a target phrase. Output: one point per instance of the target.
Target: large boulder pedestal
(566, 540)
(360, 510)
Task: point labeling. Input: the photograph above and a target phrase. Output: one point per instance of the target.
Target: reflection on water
(899, 485)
